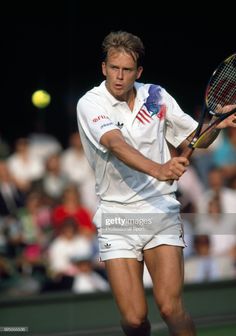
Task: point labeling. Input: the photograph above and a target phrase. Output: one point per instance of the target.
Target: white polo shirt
(156, 117)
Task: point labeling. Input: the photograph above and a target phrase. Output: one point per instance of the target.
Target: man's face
(120, 70)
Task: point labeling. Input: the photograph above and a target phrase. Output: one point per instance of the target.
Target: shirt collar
(141, 89)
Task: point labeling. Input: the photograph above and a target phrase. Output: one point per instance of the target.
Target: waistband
(149, 202)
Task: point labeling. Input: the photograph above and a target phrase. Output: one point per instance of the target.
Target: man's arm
(172, 170)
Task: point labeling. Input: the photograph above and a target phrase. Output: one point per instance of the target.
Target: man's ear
(139, 72)
(104, 70)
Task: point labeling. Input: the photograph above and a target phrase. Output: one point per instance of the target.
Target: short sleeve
(179, 125)
(94, 120)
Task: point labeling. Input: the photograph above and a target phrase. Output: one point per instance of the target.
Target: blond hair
(124, 41)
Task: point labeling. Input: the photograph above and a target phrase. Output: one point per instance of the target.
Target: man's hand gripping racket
(220, 102)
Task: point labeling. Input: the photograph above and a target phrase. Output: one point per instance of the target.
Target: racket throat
(192, 142)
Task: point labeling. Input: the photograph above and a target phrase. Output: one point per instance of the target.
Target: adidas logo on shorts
(107, 245)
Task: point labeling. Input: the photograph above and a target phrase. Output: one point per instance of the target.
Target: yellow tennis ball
(41, 99)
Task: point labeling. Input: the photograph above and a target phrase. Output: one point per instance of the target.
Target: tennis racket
(220, 90)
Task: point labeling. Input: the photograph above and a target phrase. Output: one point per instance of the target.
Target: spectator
(71, 207)
(42, 145)
(62, 253)
(203, 266)
(11, 198)
(53, 182)
(224, 156)
(86, 279)
(220, 226)
(36, 231)
(76, 167)
(24, 166)
(217, 188)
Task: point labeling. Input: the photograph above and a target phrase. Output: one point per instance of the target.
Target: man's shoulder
(94, 94)
(153, 92)
(149, 88)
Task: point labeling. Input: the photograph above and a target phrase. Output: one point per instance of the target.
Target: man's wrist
(155, 170)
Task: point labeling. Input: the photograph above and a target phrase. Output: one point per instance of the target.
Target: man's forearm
(116, 144)
(134, 159)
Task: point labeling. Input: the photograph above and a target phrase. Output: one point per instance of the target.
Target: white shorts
(125, 231)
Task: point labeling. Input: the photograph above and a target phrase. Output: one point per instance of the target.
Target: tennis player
(125, 127)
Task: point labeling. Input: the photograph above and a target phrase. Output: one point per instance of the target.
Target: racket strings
(222, 87)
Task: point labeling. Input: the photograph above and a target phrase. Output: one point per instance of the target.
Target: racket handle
(187, 152)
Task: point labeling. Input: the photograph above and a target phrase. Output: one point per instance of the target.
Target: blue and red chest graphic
(153, 107)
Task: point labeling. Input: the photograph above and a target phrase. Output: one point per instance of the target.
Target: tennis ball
(41, 99)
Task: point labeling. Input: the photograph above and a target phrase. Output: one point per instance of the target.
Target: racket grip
(187, 152)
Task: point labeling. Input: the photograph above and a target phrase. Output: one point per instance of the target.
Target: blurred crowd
(47, 201)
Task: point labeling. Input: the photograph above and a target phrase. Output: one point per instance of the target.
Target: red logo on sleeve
(100, 117)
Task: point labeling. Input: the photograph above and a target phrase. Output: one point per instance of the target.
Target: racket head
(221, 88)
